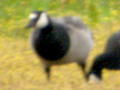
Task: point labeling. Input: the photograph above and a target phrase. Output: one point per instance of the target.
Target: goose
(109, 59)
(59, 40)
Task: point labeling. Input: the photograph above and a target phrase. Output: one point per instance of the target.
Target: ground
(20, 69)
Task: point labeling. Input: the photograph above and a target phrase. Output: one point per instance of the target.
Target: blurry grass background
(19, 67)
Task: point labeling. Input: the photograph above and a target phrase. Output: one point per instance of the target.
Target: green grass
(20, 69)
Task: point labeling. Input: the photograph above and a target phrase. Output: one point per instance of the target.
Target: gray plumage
(59, 40)
(72, 21)
(113, 43)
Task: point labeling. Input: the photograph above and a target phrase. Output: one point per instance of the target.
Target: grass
(20, 69)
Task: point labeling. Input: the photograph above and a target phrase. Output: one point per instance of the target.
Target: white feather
(32, 16)
(42, 21)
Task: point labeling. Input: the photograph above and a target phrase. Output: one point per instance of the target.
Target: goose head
(37, 19)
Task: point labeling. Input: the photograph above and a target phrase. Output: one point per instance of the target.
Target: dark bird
(59, 41)
(109, 59)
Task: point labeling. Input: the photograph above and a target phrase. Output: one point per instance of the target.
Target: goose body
(60, 41)
(109, 59)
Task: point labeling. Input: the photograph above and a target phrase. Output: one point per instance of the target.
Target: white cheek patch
(94, 79)
(32, 16)
(42, 21)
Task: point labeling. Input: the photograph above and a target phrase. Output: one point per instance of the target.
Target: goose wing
(74, 22)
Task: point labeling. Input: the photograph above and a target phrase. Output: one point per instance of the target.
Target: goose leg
(47, 70)
(82, 65)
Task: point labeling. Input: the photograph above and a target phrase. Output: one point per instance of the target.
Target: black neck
(47, 29)
(107, 60)
(51, 42)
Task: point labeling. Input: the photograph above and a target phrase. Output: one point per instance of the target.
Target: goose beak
(30, 24)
